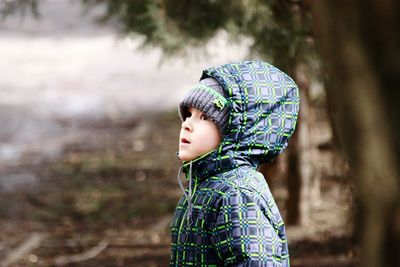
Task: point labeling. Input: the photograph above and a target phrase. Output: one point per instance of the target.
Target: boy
(237, 117)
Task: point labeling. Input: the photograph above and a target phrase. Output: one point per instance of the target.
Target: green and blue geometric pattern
(235, 221)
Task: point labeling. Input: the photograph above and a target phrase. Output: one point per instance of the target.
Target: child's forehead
(193, 109)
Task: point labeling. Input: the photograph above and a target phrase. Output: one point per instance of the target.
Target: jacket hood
(264, 104)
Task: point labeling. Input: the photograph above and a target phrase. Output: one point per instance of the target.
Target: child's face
(198, 136)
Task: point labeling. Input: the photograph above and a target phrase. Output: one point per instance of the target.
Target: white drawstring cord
(187, 196)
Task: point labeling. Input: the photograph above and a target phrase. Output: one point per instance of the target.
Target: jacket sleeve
(245, 232)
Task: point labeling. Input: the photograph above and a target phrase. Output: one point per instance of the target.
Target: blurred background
(89, 125)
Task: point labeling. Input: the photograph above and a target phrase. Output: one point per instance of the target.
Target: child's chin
(185, 157)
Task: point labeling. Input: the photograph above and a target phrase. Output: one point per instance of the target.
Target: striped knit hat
(208, 97)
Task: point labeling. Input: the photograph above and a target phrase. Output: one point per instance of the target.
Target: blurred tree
(13, 7)
(360, 44)
(278, 33)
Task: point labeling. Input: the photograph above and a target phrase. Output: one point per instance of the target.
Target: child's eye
(203, 117)
(188, 115)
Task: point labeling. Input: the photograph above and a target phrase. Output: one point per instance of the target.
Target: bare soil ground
(109, 199)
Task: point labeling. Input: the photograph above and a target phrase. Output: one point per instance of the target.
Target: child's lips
(185, 141)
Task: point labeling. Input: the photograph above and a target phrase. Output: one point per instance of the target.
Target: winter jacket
(228, 216)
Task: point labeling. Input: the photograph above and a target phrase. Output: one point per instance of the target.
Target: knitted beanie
(208, 97)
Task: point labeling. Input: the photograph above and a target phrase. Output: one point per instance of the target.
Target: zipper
(184, 217)
(185, 164)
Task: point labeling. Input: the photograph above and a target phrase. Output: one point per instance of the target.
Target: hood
(264, 104)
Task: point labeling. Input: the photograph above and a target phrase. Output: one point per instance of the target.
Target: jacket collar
(209, 165)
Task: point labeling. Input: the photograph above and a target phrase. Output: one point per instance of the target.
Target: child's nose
(186, 125)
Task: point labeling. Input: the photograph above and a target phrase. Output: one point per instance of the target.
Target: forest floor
(108, 201)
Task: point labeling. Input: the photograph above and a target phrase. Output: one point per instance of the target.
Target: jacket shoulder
(245, 180)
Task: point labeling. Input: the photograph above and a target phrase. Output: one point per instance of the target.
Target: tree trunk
(300, 168)
(359, 41)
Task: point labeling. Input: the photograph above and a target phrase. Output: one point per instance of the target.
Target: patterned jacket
(228, 216)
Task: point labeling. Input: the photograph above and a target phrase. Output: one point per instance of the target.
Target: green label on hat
(219, 103)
